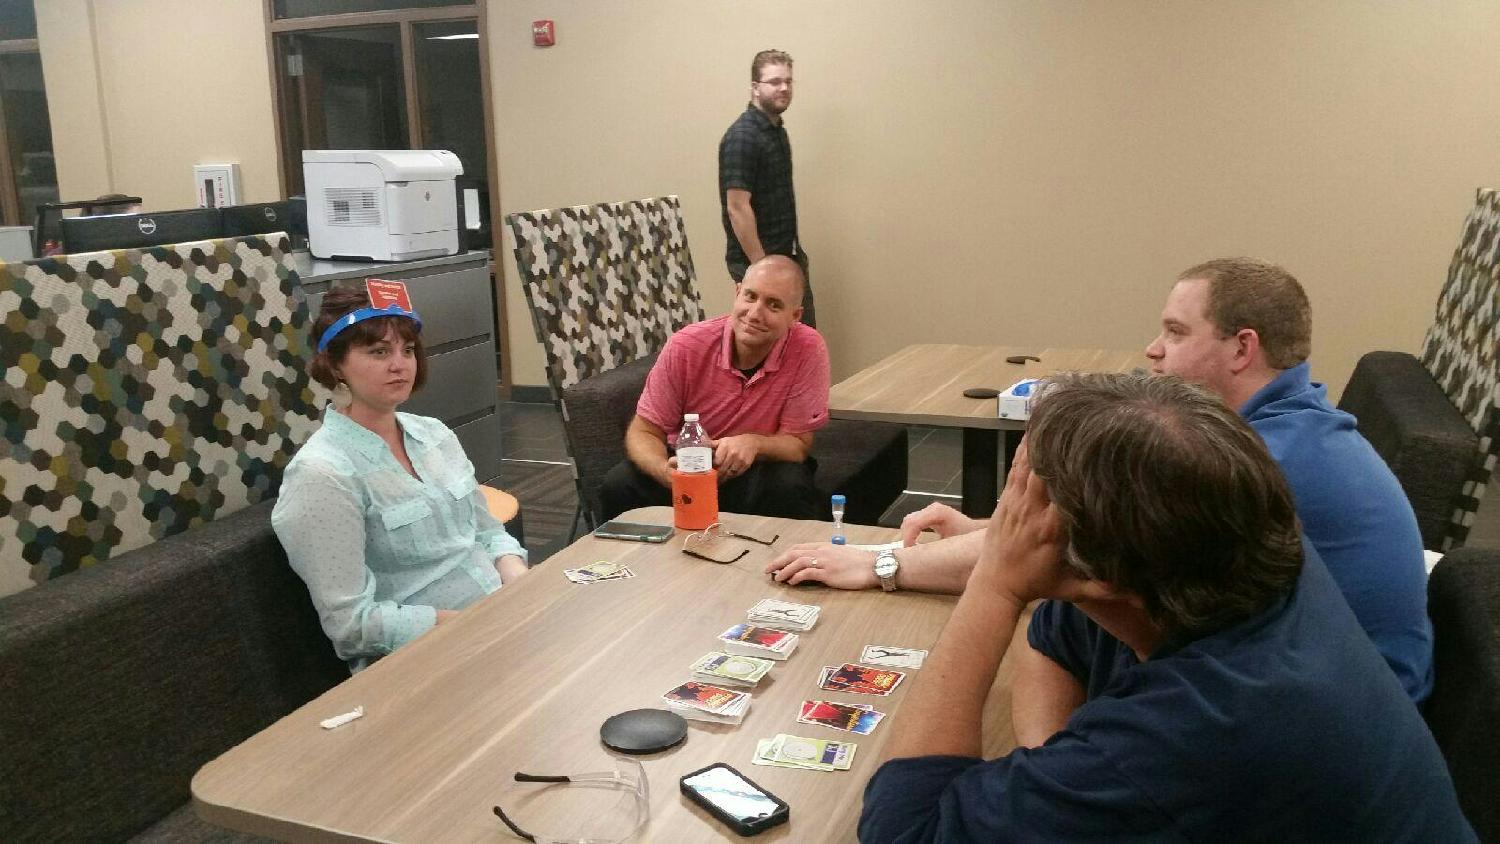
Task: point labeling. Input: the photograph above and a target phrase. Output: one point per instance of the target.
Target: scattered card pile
(786, 751)
(860, 680)
(857, 718)
(602, 570)
(764, 642)
(784, 615)
(731, 670)
(890, 657)
(702, 702)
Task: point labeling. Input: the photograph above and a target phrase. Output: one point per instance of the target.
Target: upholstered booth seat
(866, 461)
(1463, 598)
(1411, 423)
(119, 681)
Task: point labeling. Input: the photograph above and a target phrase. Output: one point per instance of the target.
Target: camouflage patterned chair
(1434, 419)
(145, 391)
(607, 285)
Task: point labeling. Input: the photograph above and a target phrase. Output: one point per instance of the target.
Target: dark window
(17, 20)
(311, 8)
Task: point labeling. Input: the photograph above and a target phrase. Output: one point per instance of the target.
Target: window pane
(29, 130)
(452, 100)
(17, 19)
(342, 89)
(309, 8)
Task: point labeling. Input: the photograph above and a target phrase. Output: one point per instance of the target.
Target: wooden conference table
(924, 385)
(522, 680)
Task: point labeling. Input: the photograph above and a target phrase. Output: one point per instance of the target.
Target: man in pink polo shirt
(758, 380)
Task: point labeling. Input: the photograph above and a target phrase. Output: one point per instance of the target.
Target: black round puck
(643, 731)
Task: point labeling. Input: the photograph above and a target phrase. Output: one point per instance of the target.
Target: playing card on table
(771, 612)
(786, 751)
(859, 679)
(595, 572)
(840, 716)
(727, 668)
(890, 657)
(750, 640)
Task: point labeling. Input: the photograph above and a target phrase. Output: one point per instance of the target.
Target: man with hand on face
(758, 380)
(759, 204)
(1231, 692)
(1242, 328)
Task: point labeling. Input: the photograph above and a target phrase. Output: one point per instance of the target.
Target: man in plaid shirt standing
(755, 177)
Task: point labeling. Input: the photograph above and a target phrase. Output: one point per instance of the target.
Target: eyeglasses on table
(702, 543)
(604, 807)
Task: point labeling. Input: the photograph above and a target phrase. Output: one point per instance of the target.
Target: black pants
(809, 308)
(769, 488)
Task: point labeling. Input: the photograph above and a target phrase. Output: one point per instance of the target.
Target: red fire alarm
(543, 33)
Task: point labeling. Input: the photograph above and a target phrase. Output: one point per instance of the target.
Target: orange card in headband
(384, 294)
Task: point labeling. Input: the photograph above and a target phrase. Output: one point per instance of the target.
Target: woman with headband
(379, 511)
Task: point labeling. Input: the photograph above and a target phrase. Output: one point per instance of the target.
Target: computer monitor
(263, 218)
(133, 231)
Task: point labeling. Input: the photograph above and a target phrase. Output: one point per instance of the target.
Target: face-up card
(704, 696)
(581, 576)
(770, 608)
(840, 716)
(746, 669)
(860, 679)
(822, 754)
(384, 294)
(892, 657)
(763, 637)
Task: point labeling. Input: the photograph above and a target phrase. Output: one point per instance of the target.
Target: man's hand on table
(941, 518)
(838, 566)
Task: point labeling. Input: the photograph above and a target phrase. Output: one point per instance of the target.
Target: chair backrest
(146, 391)
(599, 411)
(1459, 350)
(607, 284)
(1463, 599)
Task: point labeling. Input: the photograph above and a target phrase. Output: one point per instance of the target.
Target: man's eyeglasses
(775, 83)
(605, 807)
(703, 543)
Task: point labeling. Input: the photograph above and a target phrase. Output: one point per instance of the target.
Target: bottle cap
(839, 499)
(690, 417)
(839, 540)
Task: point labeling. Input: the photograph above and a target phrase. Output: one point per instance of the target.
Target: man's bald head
(780, 266)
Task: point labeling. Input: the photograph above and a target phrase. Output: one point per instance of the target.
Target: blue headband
(361, 315)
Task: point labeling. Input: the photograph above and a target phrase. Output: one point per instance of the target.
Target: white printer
(381, 205)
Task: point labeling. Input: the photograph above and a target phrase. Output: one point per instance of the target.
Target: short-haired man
(1232, 694)
(759, 206)
(758, 380)
(1242, 328)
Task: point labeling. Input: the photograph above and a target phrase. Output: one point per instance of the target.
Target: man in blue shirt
(1232, 694)
(1241, 328)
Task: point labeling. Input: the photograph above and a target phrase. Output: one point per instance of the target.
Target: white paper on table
(889, 546)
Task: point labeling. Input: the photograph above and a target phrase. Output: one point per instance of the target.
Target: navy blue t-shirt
(1288, 726)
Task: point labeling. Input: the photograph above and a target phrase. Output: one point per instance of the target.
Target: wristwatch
(885, 569)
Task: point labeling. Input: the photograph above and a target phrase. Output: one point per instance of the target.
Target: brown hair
(1259, 295)
(1166, 492)
(342, 300)
(765, 57)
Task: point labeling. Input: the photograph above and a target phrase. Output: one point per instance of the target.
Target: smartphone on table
(731, 797)
(634, 531)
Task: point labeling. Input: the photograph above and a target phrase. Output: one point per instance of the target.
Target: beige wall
(1032, 172)
(141, 90)
(973, 171)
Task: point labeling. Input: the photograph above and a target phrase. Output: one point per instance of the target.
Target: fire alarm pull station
(543, 33)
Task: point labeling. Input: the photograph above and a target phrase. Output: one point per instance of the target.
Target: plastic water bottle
(693, 454)
(838, 519)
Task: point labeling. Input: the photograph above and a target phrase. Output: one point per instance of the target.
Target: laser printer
(381, 205)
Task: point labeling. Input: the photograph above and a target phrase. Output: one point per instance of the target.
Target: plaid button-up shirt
(756, 155)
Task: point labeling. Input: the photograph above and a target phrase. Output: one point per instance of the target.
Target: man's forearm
(649, 454)
(943, 713)
(941, 566)
(742, 220)
(1043, 697)
(789, 448)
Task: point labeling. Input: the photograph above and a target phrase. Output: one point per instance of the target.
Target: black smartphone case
(776, 818)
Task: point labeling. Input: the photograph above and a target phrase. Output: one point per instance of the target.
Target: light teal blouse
(381, 551)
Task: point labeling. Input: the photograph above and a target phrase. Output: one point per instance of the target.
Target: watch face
(885, 566)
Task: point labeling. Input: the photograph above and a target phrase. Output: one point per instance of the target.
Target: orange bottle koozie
(695, 499)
